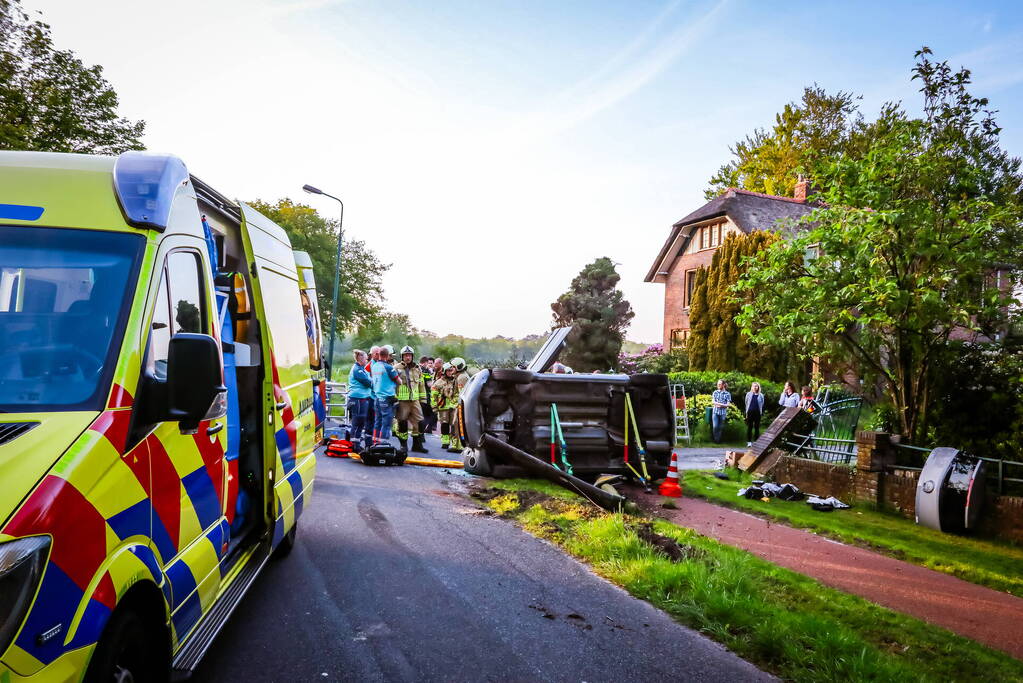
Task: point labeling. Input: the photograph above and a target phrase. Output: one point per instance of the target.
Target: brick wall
(893, 490)
(675, 315)
(817, 477)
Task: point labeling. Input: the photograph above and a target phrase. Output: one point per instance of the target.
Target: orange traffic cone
(669, 487)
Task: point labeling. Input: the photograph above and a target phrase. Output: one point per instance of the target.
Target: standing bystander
(360, 395)
(721, 398)
(754, 410)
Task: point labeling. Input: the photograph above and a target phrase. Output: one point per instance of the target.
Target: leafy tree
(699, 323)
(820, 125)
(49, 100)
(387, 328)
(902, 252)
(599, 315)
(361, 300)
(715, 338)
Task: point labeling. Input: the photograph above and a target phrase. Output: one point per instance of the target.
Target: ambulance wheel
(128, 652)
(475, 461)
(287, 543)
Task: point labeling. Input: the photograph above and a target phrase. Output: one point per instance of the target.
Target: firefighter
(445, 403)
(411, 390)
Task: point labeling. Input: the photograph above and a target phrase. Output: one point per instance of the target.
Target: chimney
(802, 185)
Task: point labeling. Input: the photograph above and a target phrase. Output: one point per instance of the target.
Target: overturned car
(514, 406)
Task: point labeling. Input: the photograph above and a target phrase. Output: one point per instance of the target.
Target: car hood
(551, 349)
(30, 444)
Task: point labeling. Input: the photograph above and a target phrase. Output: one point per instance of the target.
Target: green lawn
(981, 561)
(782, 621)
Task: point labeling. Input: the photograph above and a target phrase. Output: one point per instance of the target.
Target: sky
(490, 150)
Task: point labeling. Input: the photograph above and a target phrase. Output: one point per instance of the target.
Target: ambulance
(160, 401)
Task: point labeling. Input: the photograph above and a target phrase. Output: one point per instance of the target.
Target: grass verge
(782, 621)
(982, 561)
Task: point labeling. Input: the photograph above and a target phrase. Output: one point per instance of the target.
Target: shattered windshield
(64, 296)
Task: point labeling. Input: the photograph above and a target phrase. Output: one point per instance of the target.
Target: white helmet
(388, 348)
(458, 364)
(408, 349)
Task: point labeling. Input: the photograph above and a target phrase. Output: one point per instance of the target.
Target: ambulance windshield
(64, 296)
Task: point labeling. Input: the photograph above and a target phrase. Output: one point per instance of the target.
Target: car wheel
(649, 379)
(512, 375)
(287, 543)
(128, 652)
(475, 461)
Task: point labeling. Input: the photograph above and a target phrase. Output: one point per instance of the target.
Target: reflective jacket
(411, 386)
(445, 393)
(461, 379)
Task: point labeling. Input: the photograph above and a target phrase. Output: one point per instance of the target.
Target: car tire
(512, 375)
(475, 461)
(287, 543)
(129, 649)
(649, 379)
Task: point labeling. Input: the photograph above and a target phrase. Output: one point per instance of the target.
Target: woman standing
(754, 410)
(360, 392)
(789, 398)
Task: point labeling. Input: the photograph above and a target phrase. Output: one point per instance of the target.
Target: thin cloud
(624, 74)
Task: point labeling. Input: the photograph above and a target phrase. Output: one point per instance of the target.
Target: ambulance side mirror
(195, 380)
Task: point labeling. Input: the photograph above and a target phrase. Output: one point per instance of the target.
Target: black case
(382, 454)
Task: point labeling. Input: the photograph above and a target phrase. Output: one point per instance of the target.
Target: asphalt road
(397, 577)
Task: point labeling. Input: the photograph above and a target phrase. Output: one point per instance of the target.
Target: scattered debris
(828, 504)
(767, 490)
(721, 475)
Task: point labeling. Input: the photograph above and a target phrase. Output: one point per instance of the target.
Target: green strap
(563, 447)
(635, 429)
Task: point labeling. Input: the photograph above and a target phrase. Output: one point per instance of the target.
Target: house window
(677, 339)
(715, 235)
(690, 281)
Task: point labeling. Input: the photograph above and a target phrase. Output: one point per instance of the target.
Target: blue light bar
(18, 212)
(145, 185)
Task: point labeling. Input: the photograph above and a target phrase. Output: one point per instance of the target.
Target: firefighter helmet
(458, 364)
(388, 348)
(408, 349)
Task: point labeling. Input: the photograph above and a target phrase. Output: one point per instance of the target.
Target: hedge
(706, 382)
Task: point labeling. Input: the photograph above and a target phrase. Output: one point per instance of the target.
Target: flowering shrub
(653, 359)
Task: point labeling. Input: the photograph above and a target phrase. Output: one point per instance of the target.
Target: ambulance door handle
(214, 428)
(281, 405)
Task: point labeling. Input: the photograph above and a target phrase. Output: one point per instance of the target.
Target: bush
(705, 382)
(653, 359)
(696, 408)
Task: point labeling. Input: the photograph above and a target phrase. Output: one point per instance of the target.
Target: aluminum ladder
(678, 394)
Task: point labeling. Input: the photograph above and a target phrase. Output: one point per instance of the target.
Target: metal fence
(908, 457)
(833, 438)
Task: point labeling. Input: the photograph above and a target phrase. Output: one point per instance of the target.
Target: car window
(180, 306)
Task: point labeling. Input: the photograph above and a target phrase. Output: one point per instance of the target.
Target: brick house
(692, 241)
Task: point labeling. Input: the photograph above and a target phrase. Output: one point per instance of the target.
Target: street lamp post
(337, 277)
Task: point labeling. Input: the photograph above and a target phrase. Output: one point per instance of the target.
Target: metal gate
(833, 438)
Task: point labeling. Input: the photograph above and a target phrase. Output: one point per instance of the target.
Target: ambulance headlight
(21, 567)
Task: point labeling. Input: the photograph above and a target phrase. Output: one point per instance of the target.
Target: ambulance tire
(475, 461)
(129, 646)
(287, 543)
